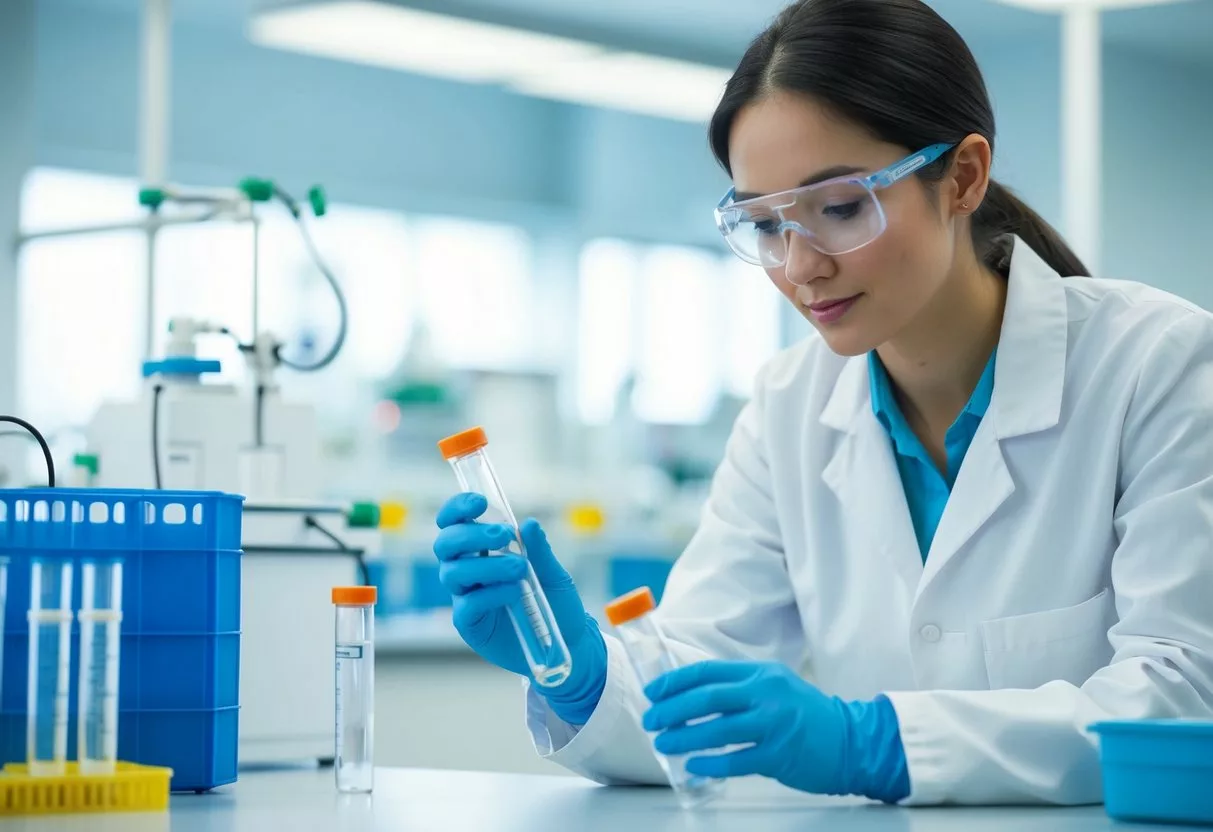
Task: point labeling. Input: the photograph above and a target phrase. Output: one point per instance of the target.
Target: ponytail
(1002, 213)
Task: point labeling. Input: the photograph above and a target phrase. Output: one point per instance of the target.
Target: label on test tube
(535, 615)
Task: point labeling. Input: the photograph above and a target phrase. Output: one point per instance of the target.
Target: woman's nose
(804, 264)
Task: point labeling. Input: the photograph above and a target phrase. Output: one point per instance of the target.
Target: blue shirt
(926, 487)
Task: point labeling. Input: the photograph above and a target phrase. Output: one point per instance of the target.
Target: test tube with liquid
(50, 656)
(650, 656)
(354, 754)
(100, 639)
(531, 615)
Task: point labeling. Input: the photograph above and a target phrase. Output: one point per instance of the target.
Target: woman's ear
(969, 177)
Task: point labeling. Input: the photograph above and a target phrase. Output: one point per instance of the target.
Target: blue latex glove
(796, 734)
(482, 587)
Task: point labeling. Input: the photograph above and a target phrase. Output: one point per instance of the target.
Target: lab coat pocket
(1067, 644)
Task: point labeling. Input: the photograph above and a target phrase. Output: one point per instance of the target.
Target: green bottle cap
(151, 197)
(257, 189)
(363, 515)
(89, 461)
(315, 195)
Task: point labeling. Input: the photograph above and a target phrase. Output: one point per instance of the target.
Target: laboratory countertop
(417, 800)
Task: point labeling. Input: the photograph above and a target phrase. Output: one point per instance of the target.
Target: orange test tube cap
(463, 443)
(354, 596)
(631, 606)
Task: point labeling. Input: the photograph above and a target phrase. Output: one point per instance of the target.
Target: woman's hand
(793, 732)
(482, 588)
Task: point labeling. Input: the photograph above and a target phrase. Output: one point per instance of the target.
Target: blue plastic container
(180, 666)
(428, 591)
(628, 572)
(1157, 770)
(392, 577)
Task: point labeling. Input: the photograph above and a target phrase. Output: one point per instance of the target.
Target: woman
(977, 502)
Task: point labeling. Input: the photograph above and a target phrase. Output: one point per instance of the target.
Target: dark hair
(898, 69)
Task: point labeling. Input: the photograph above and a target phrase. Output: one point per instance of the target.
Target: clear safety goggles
(836, 216)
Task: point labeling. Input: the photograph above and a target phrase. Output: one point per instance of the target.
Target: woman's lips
(829, 311)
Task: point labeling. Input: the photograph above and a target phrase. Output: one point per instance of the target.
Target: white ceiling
(717, 30)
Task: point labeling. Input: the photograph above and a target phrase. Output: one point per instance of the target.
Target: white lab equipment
(1068, 582)
(289, 566)
(100, 618)
(650, 657)
(50, 657)
(204, 428)
(354, 746)
(541, 640)
(184, 431)
(208, 436)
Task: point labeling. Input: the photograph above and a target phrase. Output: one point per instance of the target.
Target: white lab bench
(305, 800)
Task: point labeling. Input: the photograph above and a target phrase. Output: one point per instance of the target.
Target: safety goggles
(836, 216)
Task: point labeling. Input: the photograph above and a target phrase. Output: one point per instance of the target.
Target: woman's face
(782, 140)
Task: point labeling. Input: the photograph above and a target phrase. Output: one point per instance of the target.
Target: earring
(964, 205)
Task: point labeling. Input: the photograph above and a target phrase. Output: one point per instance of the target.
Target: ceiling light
(631, 81)
(386, 35)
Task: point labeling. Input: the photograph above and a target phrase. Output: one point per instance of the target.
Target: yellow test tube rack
(131, 788)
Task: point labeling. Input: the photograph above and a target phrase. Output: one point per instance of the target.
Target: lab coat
(1070, 579)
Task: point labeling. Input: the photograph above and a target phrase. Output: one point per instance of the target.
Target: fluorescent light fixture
(388, 35)
(631, 81)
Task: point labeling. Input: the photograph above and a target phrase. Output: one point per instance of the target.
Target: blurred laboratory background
(517, 206)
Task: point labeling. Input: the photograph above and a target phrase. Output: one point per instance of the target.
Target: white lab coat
(1070, 580)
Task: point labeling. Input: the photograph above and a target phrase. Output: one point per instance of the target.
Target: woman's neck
(937, 361)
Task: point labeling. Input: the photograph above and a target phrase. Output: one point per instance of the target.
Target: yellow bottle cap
(392, 516)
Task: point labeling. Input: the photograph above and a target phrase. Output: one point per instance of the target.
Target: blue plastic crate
(179, 672)
(181, 551)
(157, 671)
(159, 738)
(180, 665)
(208, 736)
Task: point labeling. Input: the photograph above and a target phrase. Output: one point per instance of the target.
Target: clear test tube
(541, 640)
(100, 639)
(3, 612)
(50, 657)
(354, 750)
(650, 657)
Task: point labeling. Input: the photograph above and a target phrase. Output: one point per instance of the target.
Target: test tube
(353, 757)
(50, 656)
(540, 637)
(100, 622)
(3, 611)
(650, 657)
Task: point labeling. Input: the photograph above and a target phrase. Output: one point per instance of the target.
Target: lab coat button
(930, 633)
